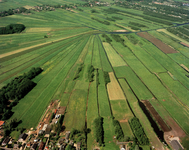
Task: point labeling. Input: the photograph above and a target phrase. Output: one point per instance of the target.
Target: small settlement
(46, 136)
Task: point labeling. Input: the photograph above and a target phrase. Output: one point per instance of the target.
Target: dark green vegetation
(106, 77)
(99, 131)
(12, 28)
(107, 38)
(139, 131)
(78, 71)
(90, 73)
(181, 32)
(118, 130)
(15, 90)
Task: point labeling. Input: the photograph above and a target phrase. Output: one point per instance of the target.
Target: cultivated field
(75, 47)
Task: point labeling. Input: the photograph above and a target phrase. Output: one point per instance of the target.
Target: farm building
(176, 145)
(34, 146)
(22, 137)
(6, 140)
(41, 146)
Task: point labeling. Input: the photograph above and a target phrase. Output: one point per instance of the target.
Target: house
(40, 132)
(22, 137)
(67, 136)
(78, 146)
(41, 146)
(16, 146)
(44, 127)
(61, 141)
(5, 141)
(71, 142)
(28, 145)
(34, 146)
(63, 146)
(2, 123)
(176, 145)
(48, 129)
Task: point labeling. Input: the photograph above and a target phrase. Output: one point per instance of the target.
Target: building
(22, 137)
(71, 142)
(48, 129)
(41, 146)
(34, 146)
(61, 141)
(176, 145)
(5, 141)
(67, 136)
(63, 146)
(2, 123)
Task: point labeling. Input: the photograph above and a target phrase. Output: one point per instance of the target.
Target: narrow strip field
(114, 90)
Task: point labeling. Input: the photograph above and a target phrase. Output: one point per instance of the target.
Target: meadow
(61, 41)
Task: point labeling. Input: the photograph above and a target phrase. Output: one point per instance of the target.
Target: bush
(106, 77)
(107, 38)
(90, 73)
(79, 69)
(12, 28)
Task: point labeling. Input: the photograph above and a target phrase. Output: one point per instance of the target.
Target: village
(49, 134)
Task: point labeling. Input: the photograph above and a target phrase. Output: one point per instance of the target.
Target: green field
(64, 39)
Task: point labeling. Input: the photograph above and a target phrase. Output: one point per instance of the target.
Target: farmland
(99, 60)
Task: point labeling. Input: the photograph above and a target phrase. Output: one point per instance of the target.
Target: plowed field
(162, 46)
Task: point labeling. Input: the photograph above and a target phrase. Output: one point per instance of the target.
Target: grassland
(60, 41)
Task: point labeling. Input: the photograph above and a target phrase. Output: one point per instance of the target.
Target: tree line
(14, 11)
(15, 90)
(99, 130)
(12, 28)
(138, 131)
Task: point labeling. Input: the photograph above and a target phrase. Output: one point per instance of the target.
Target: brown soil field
(114, 90)
(162, 46)
(156, 116)
(184, 44)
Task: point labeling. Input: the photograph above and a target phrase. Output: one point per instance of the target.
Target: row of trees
(99, 130)
(107, 38)
(79, 69)
(118, 130)
(90, 73)
(15, 90)
(12, 28)
(177, 32)
(118, 38)
(106, 77)
(162, 16)
(139, 131)
(14, 11)
(103, 22)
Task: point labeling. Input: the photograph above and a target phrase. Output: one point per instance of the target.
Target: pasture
(151, 65)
